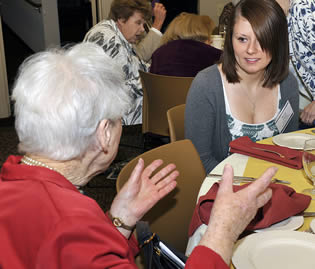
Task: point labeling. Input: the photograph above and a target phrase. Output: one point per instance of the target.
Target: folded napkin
(284, 203)
(290, 157)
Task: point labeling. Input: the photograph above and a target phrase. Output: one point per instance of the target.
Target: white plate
(292, 140)
(312, 225)
(274, 250)
(288, 224)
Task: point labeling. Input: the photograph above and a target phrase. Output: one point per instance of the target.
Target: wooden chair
(176, 118)
(170, 217)
(159, 94)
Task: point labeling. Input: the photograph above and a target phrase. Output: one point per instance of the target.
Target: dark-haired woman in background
(251, 92)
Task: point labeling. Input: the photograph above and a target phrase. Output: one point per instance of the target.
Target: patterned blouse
(255, 132)
(301, 25)
(107, 35)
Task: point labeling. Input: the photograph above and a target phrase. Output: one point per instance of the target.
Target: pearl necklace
(31, 162)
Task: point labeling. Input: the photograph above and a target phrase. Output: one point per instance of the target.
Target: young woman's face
(132, 29)
(249, 56)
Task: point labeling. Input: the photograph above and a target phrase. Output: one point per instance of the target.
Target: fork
(241, 179)
(271, 151)
(274, 180)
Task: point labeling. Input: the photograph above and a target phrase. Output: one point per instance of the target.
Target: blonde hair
(189, 26)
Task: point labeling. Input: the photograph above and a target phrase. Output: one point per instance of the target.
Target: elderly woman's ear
(104, 134)
(108, 135)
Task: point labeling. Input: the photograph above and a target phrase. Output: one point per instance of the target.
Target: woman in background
(152, 35)
(301, 26)
(117, 36)
(251, 92)
(185, 47)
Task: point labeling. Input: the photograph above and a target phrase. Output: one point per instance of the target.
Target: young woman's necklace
(253, 103)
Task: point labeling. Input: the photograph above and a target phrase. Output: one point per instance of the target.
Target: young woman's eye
(241, 39)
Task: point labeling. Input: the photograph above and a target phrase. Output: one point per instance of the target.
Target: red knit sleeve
(203, 257)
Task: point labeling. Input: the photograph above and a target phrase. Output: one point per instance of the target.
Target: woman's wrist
(119, 223)
(219, 243)
(114, 219)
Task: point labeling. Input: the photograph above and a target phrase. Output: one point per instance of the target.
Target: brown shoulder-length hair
(124, 9)
(270, 27)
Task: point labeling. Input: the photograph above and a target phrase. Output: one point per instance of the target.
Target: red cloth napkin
(284, 203)
(244, 145)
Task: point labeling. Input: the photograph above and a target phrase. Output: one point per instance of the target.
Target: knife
(306, 214)
(250, 179)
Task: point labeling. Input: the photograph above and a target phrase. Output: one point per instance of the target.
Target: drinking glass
(222, 30)
(309, 164)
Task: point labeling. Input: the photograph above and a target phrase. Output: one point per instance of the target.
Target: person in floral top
(301, 26)
(117, 35)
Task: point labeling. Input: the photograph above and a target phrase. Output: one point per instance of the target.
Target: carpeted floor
(100, 188)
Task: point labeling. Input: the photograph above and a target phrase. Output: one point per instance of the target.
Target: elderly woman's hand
(159, 13)
(308, 113)
(142, 191)
(232, 211)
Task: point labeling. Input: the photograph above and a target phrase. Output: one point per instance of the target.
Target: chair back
(170, 217)
(159, 94)
(176, 118)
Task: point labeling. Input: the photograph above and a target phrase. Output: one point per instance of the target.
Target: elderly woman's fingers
(166, 178)
(167, 184)
(261, 184)
(136, 172)
(163, 173)
(159, 10)
(226, 185)
(148, 171)
(159, 13)
(308, 113)
(263, 198)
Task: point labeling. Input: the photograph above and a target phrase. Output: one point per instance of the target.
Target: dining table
(253, 167)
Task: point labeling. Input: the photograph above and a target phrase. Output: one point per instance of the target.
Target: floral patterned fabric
(255, 132)
(107, 35)
(301, 26)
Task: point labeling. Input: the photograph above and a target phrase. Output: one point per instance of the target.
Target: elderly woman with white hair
(68, 108)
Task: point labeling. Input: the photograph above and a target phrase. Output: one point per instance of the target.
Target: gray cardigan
(205, 115)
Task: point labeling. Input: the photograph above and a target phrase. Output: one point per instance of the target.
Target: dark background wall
(175, 7)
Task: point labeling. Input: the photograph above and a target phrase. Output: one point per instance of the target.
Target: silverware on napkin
(270, 151)
(306, 214)
(250, 179)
